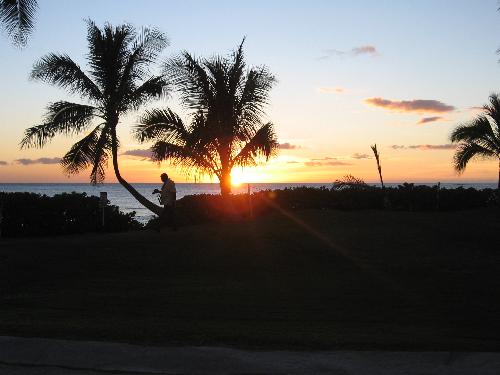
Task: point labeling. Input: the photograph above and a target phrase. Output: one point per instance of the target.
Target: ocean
(120, 197)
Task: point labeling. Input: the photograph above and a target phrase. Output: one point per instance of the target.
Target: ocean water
(120, 197)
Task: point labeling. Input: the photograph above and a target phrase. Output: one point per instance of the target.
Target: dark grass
(353, 280)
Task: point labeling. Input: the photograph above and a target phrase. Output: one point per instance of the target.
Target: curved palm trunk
(140, 198)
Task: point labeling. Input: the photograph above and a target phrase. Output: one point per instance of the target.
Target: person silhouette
(168, 195)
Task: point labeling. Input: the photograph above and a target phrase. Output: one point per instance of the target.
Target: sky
(351, 73)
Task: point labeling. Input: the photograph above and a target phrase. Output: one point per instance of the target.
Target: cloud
(447, 146)
(357, 155)
(364, 50)
(331, 90)
(2, 163)
(145, 154)
(326, 161)
(38, 161)
(416, 105)
(292, 162)
(426, 120)
(353, 52)
(288, 146)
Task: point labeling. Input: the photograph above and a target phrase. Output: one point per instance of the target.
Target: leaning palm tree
(16, 17)
(479, 138)
(226, 103)
(118, 82)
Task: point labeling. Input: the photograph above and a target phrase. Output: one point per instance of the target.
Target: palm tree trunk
(498, 190)
(140, 198)
(225, 183)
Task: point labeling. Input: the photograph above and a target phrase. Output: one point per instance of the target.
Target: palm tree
(479, 137)
(118, 82)
(226, 104)
(379, 166)
(17, 18)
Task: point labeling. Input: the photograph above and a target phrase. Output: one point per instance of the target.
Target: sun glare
(244, 176)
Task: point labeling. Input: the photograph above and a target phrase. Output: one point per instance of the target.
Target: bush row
(408, 197)
(30, 214)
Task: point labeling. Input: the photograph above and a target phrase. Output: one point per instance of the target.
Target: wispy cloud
(358, 155)
(415, 105)
(2, 163)
(364, 50)
(326, 161)
(331, 90)
(145, 154)
(427, 120)
(447, 146)
(288, 146)
(353, 52)
(25, 161)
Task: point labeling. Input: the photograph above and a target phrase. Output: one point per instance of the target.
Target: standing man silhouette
(168, 195)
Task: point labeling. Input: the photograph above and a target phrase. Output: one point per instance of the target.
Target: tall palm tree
(117, 82)
(16, 17)
(226, 103)
(479, 137)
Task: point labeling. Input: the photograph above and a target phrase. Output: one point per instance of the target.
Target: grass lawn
(308, 280)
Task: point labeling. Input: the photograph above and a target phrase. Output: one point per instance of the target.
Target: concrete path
(33, 356)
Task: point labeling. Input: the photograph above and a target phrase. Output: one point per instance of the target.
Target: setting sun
(244, 176)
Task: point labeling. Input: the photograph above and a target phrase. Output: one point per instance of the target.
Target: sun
(244, 176)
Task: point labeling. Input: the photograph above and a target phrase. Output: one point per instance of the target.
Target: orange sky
(349, 75)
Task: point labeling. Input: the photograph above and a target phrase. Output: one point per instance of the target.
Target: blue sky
(427, 50)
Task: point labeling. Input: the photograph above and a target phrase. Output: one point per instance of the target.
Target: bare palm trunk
(380, 175)
(498, 189)
(140, 198)
(379, 167)
(225, 183)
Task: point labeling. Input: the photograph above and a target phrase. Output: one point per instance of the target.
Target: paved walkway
(32, 356)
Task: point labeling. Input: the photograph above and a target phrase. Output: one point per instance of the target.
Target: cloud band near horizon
(448, 146)
(46, 161)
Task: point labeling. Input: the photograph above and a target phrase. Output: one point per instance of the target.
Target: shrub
(30, 214)
(196, 209)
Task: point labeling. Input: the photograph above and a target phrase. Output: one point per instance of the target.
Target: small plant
(349, 182)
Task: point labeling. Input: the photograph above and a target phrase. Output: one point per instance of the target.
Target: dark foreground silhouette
(292, 279)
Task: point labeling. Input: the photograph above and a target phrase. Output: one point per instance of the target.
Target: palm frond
(479, 131)
(17, 18)
(253, 97)
(153, 88)
(62, 71)
(144, 51)
(161, 124)
(492, 110)
(61, 118)
(263, 143)
(187, 75)
(467, 151)
(185, 158)
(82, 153)
(108, 54)
(236, 71)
